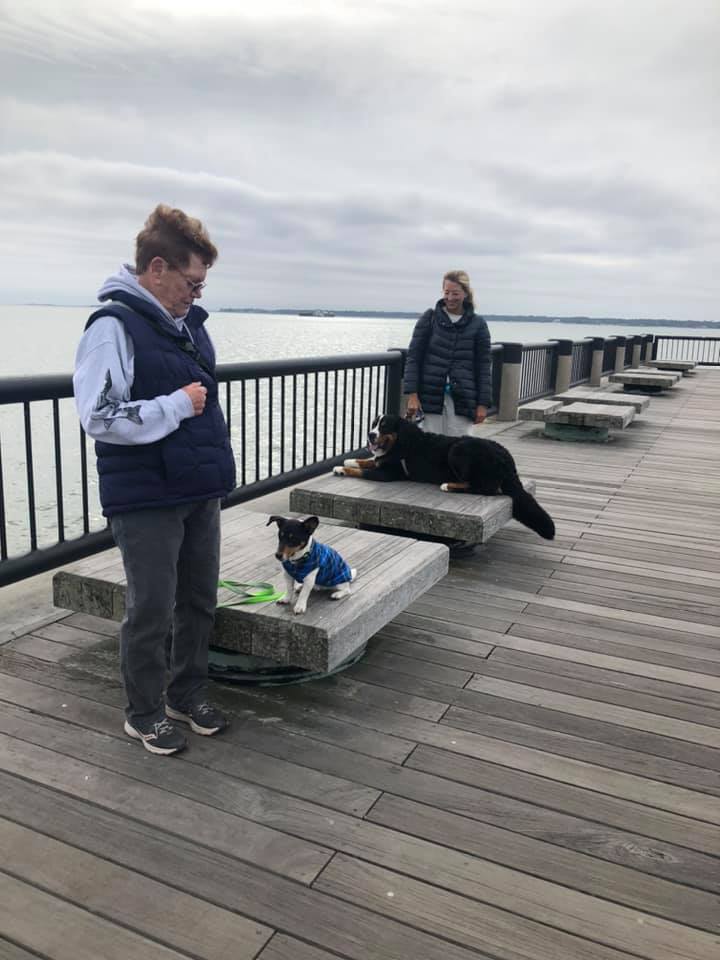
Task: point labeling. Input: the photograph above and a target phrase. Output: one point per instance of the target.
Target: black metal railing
(496, 353)
(538, 370)
(288, 420)
(582, 351)
(629, 344)
(609, 354)
(705, 351)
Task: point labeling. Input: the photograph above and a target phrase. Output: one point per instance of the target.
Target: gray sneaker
(160, 737)
(202, 717)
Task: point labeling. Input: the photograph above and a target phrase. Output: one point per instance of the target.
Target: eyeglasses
(194, 286)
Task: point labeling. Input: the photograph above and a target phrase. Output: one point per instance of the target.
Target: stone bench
(539, 409)
(392, 573)
(579, 420)
(645, 380)
(681, 366)
(419, 508)
(603, 396)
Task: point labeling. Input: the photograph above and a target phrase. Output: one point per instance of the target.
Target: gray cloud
(354, 152)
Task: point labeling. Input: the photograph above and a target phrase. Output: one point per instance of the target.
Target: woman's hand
(480, 414)
(413, 406)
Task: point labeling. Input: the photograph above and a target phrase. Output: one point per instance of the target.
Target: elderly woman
(448, 374)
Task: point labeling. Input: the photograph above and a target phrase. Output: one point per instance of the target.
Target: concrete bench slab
(392, 573)
(594, 415)
(538, 409)
(403, 505)
(588, 421)
(649, 382)
(606, 397)
(682, 366)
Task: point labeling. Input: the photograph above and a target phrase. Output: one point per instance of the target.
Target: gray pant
(171, 557)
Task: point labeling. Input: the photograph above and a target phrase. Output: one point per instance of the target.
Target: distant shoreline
(490, 317)
(413, 315)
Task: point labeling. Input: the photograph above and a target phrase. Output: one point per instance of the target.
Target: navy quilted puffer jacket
(441, 350)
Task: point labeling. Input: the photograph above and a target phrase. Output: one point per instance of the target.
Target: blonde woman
(448, 374)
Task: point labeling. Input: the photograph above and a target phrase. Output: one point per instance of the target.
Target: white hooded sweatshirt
(104, 374)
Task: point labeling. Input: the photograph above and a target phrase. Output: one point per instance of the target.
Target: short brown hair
(173, 235)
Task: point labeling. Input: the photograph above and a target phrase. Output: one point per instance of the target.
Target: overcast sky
(345, 154)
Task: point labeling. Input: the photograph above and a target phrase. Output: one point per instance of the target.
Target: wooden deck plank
(526, 758)
(218, 878)
(122, 896)
(695, 733)
(34, 918)
(606, 745)
(482, 926)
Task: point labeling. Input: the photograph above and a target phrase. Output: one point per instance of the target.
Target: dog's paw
(299, 608)
(350, 463)
(445, 487)
(284, 599)
(339, 471)
(339, 594)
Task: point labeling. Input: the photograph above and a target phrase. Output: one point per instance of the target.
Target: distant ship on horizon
(315, 313)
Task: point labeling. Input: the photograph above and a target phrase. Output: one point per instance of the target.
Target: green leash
(253, 592)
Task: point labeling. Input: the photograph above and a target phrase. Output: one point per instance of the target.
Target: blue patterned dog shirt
(332, 568)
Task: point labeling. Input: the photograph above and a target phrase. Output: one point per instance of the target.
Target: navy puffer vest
(194, 462)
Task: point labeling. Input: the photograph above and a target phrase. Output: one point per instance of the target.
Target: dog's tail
(527, 510)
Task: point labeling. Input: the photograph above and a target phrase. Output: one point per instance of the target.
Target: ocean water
(38, 339)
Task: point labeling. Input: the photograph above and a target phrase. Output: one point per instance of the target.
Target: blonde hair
(173, 235)
(461, 278)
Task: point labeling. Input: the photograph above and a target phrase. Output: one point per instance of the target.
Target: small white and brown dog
(309, 564)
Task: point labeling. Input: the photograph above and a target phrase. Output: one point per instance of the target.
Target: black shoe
(160, 737)
(202, 717)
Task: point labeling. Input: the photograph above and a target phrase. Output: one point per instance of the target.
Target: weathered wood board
(418, 507)
(392, 573)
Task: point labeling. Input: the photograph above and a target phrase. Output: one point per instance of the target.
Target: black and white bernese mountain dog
(402, 451)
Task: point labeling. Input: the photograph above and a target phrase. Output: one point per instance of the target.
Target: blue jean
(171, 557)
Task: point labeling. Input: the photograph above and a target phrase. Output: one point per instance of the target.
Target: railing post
(563, 373)
(598, 352)
(510, 381)
(637, 352)
(396, 370)
(654, 348)
(619, 354)
(648, 347)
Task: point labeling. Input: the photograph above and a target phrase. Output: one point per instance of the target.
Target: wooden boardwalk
(525, 765)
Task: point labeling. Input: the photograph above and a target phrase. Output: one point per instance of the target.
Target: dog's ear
(311, 524)
(278, 520)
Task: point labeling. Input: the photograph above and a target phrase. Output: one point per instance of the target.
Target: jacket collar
(442, 318)
(195, 318)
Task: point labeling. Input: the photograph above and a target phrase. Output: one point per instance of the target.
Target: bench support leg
(568, 431)
(654, 388)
